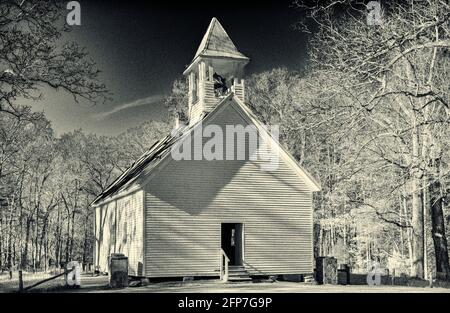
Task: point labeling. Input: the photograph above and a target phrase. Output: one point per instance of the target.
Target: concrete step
(237, 271)
(239, 278)
(231, 270)
(238, 274)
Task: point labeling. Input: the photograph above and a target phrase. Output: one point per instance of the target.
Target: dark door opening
(232, 242)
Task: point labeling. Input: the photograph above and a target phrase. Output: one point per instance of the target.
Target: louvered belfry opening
(215, 72)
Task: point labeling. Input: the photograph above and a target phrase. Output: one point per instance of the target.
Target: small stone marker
(344, 274)
(326, 270)
(118, 270)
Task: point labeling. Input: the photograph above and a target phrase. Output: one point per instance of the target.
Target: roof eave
(198, 58)
(313, 183)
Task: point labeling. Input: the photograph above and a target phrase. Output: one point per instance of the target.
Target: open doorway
(232, 242)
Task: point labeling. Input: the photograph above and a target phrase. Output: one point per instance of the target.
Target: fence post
(393, 277)
(66, 274)
(20, 281)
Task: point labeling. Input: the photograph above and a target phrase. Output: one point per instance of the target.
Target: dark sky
(141, 47)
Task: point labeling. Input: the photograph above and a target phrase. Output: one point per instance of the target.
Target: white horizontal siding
(187, 201)
(119, 229)
(104, 234)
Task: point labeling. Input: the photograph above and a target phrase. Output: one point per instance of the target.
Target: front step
(238, 274)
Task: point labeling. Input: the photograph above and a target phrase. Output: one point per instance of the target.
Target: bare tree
(393, 75)
(33, 55)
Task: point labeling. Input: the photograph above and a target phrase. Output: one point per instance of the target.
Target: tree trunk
(24, 261)
(417, 210)
(58, 238)
(42, 240)
(408, 234)
(86, 240)
(9, 257)
(438, 226)
(400, 214)
(68, 238)
(46, 250)
(320, 240)
(36, 244)
(72, 235)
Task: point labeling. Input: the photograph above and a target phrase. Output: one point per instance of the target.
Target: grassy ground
(12, 285)
(100, 285)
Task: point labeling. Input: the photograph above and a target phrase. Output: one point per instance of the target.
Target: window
(194, 88)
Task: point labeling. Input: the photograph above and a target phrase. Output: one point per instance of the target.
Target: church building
(212, 199)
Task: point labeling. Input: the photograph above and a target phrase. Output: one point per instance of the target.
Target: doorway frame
(242, 223)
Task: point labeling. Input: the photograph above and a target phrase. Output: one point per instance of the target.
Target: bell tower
(215, 72)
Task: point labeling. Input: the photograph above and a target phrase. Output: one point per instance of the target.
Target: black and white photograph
(224, 147)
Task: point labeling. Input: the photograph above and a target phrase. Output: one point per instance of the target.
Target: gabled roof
(217, 43)
(151, 159)
(147, 161)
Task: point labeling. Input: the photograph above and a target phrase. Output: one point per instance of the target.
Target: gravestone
(118, 270)
(344, 274)
(326, 270)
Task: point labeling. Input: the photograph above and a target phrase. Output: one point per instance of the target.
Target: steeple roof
(217, 43)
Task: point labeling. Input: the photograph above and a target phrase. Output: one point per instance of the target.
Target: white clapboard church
(191, 217)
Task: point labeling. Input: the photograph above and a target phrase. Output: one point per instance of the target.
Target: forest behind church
(368, 116)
